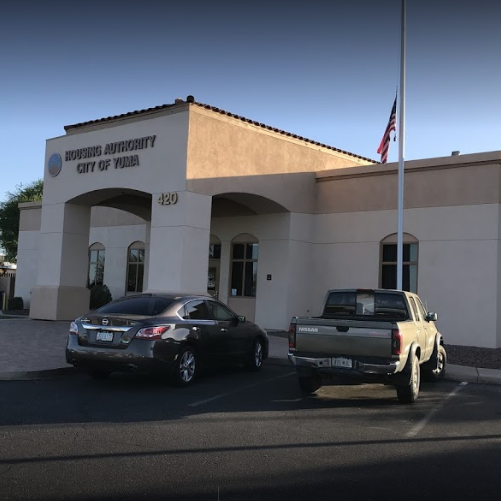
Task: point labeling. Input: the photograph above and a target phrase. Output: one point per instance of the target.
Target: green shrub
(15, 303)
(99, 296)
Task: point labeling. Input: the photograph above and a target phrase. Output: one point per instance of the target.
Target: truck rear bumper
(358, 367)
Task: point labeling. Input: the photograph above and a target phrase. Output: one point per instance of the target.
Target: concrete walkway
(34, 349)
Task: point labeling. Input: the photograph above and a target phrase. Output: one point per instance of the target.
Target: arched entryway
(239, 221)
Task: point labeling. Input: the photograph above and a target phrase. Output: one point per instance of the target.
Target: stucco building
(187, 197)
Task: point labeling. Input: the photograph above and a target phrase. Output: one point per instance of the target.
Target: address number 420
(167, 198)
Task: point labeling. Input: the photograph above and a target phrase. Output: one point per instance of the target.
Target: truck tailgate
(324, 336)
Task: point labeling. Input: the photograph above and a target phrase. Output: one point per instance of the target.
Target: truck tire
(408, 393)
(308, 384)
(438, 372)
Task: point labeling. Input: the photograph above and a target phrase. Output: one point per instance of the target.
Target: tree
(9, 216)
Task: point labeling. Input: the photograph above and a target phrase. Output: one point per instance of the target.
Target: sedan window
(196, 310)
(140, 305)
(220, 312)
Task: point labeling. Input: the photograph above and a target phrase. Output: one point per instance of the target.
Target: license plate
(342, 362)
(104, 336)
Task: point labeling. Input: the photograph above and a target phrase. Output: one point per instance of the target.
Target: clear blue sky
(327, 71)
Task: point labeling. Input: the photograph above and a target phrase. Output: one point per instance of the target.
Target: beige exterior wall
(30, 216)
(471, 180)
(227, 155)
(221, 146)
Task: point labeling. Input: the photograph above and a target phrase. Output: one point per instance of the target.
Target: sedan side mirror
(431, 317)
(241, 319)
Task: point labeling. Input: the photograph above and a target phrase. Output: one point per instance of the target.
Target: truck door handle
(195, 329)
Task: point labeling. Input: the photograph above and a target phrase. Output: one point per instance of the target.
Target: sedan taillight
(74, 328)
(152, 332)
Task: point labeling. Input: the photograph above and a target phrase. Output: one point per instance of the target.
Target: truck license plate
(341, 362)
(104, 336)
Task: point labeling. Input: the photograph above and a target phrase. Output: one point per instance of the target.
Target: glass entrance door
(213, 278)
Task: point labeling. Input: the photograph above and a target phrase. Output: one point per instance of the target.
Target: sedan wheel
(255, 356)
(185, 368)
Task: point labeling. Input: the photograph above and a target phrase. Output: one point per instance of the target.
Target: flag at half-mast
(384, 147)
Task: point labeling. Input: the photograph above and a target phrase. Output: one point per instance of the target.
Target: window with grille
(244, 269)
(96, 265)
(389, 266)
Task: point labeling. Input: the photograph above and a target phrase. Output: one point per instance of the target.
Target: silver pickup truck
(368, 336)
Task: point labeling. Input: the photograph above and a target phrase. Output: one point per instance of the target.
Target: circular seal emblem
(55, 164)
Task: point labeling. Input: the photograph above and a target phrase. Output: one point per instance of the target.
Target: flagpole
(401, 152)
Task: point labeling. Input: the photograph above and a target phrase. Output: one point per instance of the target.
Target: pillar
(61, 292)
(179, 244)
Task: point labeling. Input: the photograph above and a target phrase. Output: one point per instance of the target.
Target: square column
(179, 244)
(61, 292)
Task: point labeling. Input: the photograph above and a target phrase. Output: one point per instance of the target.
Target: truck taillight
(292, 336)
(152, 332)
(396, 342)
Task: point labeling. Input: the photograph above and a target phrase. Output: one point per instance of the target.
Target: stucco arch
(133, 201)
(393, 237)
(243, 204)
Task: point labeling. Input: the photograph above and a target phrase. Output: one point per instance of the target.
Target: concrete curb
(37, 375)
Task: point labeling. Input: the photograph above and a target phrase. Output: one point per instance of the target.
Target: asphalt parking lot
(237, 435)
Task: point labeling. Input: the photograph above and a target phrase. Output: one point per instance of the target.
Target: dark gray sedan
(164, 333)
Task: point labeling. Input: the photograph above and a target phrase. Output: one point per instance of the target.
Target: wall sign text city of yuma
(109, 149)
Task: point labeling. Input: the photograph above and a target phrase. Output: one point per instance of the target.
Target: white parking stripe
(222, 395)
(414, 431)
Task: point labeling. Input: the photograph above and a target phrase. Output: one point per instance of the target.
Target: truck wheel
(438, 373)
(408, 394)
(308, 385)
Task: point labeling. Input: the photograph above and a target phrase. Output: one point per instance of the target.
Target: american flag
(392, 126)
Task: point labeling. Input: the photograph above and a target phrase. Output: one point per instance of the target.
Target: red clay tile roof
(216, 110)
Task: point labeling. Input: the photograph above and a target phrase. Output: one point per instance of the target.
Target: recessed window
(244, 269)
(96, 265)
(389, 264)
(135, 267)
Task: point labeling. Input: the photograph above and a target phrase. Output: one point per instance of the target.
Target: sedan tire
(255, 356)
(185, 367)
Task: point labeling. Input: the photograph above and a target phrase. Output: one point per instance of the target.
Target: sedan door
(211, 338)
(236, 333)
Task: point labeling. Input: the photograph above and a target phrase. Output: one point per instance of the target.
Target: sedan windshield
(142, 305)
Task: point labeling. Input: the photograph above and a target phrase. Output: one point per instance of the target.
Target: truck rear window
(385, 305)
